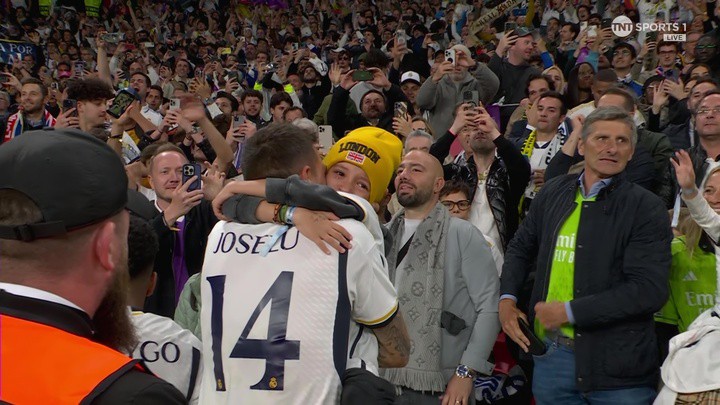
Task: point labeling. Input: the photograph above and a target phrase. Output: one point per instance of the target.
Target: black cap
(75, 179)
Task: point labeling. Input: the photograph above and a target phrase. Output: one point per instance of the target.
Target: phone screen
(121, 102)
(362, 76)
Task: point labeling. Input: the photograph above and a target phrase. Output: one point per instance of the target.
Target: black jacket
(508, 176)
(198, 224)
(622, 263)
(312, 97)
(127, 386)
(341, 122)
(679, 135)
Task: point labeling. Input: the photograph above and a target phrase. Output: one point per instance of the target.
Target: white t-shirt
(152, 115)
(482, 217)
(170, 352)
(275, 328)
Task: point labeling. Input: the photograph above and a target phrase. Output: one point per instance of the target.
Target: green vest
(693, 284)
(562, 272)
(45, 6)
(92, 8)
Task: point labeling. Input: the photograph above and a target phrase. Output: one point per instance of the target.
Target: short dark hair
(148, 82)
(455, 186)
(278, 150)
(251, 93)
(627, 46)
(586, 8)
(573, 27)
(294, 108)
(157, 88)
(234, 104)
(280, 97)
(557, 96)
(142, 247)
(90, 90)
(666, 43)
(628, 99)
(376, 58)
(538, 76)
(33, 80)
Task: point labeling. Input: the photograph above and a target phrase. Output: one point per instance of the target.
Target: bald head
(419, 181)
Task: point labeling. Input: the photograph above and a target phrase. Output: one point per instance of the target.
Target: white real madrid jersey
(170, 352)
(275, 327)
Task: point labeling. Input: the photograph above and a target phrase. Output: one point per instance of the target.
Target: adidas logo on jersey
(690, 276)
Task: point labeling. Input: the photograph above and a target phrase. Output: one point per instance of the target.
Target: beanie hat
(372, 149)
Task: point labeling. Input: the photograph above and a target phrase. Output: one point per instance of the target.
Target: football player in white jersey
(166, 349)
(295, 350)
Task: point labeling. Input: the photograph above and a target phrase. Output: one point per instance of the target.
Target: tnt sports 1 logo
(622, 26)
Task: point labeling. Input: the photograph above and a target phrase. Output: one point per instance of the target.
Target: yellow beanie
(372, 149)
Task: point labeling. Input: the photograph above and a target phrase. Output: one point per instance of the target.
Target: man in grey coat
(447, 285)
(444, 90)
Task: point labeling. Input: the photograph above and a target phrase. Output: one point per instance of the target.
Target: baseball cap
(75, 179)
(522, 32)
(410, 77)
(372, 149)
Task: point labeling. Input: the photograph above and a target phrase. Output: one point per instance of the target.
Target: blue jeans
(554, 383)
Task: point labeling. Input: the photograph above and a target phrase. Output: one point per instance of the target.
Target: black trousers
(362, 387)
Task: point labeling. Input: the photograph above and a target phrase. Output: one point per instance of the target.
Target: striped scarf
(16, 123)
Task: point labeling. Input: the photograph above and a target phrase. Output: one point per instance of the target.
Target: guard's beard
(113, 326)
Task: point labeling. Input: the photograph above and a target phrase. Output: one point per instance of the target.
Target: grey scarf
(421, 298)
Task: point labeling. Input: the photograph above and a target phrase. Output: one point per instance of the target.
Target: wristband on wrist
(276, 214)
(289, 215)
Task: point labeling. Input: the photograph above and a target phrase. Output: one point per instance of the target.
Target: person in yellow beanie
(376, 152)
(361, 163)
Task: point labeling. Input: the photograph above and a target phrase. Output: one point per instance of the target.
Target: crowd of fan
(205, 76)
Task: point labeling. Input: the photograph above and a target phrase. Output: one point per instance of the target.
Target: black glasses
(463, 205)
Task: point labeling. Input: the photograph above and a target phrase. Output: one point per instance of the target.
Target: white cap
(410, 76)
(306, 32)
(319, 66)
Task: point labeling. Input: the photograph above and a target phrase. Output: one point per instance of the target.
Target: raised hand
(684, 172)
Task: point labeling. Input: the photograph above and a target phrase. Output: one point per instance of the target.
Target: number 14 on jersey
(275, 350)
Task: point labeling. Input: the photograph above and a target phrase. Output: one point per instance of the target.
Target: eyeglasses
(706, 111)
(622, 53)
(463, 205)
(705, 46)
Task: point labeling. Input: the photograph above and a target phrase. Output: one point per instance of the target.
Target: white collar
(31, 292)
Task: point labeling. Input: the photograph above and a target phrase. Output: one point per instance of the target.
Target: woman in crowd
(694, 274)
(556, 74)
(579, 85)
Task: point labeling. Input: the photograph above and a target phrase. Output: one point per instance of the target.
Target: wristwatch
(464, 371)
